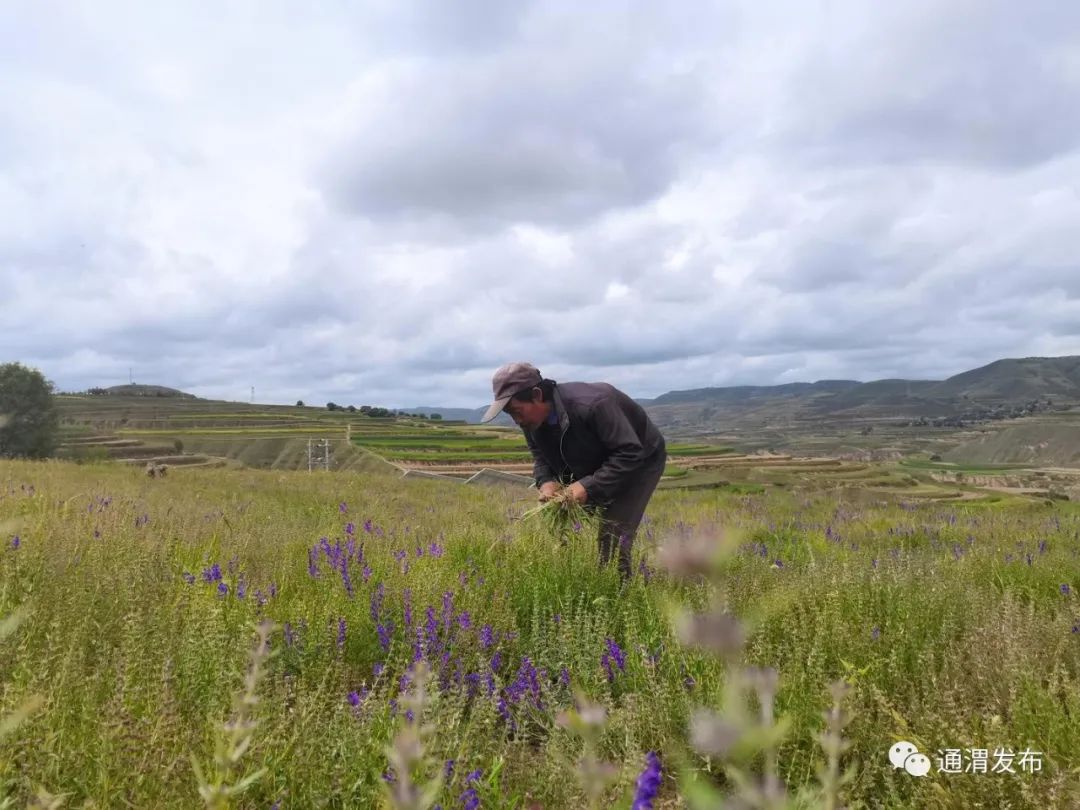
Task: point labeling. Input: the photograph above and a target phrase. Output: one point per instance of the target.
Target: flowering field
(259, 639)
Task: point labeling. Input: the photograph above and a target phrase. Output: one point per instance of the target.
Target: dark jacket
(602, 439)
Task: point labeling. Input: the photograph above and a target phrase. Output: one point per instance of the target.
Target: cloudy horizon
(382, 205)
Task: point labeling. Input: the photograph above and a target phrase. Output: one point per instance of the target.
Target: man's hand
(548, 490)
(576, 492)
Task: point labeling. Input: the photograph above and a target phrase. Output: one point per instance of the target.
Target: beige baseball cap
(507, 381)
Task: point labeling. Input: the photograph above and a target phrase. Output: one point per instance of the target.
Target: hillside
(1016, 381)
(1000, 389)
(1039, 442)
(139, 390)
(751, 393)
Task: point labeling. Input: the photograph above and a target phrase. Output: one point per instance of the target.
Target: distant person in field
(591, 440)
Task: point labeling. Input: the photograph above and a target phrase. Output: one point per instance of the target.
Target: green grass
(974, 645)
(974, 469)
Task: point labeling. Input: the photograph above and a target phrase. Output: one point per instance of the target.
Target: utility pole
(318, 453)
(253, 395)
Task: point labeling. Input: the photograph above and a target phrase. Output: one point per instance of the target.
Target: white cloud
(383, 205)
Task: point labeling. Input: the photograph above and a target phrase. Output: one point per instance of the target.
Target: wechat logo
(905, 755)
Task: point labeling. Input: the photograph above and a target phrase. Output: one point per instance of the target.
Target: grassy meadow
(132, 645)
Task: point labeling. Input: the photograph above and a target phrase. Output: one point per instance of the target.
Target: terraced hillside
(189, 433)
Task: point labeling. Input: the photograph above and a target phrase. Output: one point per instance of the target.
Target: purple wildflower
(384, 631)
(350, 528)
(406, 597)
(290, 636)
(222, 589)
(472, 684)
(212, 574)
(614, 654)
(435, 550)
(376, 601)
(487, 636)
(447, 608)
(564, 677)
(15, 542)
(241, 589)
(418, 645)
(341, 633)
(875, 634)
(346, 580)
(648, 783)
(342, 507)
(367, 526)
(448, 769)
(188, 578)
(464, 620)
(313, 561)
(354, 699)
(431, 630)
(378, 668)
(1065, 589)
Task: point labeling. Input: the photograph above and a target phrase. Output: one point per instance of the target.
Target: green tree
(29, 422)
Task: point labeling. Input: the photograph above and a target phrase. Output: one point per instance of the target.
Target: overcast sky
(381, 206)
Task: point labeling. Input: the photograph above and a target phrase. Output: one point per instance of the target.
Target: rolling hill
(985, 392)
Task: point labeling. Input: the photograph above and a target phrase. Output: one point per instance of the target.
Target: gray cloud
(969, 83)
(381, 206)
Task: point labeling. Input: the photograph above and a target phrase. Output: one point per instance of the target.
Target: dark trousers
(620, 517)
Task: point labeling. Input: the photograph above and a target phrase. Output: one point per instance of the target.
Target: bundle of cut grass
(561, 517)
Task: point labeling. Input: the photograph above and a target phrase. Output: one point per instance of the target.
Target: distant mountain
(1009, 383)
(1016, 380)
(749, 393)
